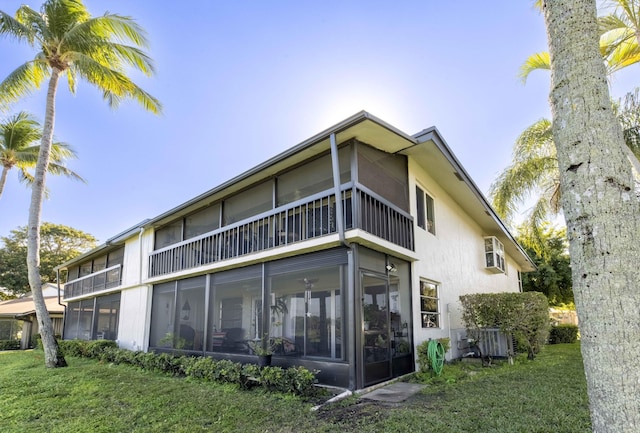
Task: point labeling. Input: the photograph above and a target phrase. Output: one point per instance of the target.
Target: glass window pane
(429, 304)
(420, 207)
(431, 219)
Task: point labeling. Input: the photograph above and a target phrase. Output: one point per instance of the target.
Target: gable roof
(17, 308)
(427, 147)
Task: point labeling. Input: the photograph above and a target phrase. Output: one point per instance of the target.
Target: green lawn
(546, 395)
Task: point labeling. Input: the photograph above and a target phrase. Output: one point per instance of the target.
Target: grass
(548, 394)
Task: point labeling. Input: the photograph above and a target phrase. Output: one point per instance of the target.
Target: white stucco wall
(135, 301)
(453, 258)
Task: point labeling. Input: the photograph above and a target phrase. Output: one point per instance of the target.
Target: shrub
(296, 380)
(563, 334)
(523, 315)
(35, 342)
(9, 344)
(424, 363)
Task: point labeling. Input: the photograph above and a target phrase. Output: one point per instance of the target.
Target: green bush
(9, 344)
(563, 334)
(295, 380)
(424, 363)
(35, 342)
(525, 316)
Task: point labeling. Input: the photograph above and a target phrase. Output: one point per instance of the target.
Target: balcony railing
(284, 226)
(104, 279)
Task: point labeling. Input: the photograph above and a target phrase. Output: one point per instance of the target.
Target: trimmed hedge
(523, 315)
(9, 344)
(294, 380)
(563, 334)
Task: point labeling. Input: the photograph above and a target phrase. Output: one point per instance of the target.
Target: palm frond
(535, 141)
(114, 84)
(22, 81)
(61, 170)
(624, 54)
(535, 62)
(71, 81)
(19, 131)
(61, 152)
(519, 181)
(109, 27)
(12, 27)
(537, 220)
(62, 16)
(611, 22)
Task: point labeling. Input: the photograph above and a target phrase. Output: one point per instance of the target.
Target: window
(494, 254)
(426, 213)
(429, 304)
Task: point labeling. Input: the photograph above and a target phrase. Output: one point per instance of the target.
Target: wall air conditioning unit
(494, 255)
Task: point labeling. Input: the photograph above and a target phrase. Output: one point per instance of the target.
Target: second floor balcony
(300, 221)
(104, 279)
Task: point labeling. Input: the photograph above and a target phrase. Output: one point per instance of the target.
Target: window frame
(430, 324)
(426, 210)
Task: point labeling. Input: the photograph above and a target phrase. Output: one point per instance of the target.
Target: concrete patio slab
(394, 393)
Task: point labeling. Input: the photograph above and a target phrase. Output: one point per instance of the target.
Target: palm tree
(619, 38)
(18, 149)
(72, 44)
(534, 171)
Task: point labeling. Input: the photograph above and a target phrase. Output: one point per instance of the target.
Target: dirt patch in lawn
(351, 416)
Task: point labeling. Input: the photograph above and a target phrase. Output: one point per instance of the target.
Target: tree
(72, 44)
(602, 214)
(19, 135)
(533, 171)
(550, 254)
(58, 244)
(619, 37)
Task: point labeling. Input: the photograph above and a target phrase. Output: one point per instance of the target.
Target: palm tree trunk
(602, 215)
(3, 179)
(52, 355)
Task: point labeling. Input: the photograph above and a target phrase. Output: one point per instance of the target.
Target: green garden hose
(435, 351)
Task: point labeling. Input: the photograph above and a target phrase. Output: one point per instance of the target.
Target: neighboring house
(348, 249)
(18, 316)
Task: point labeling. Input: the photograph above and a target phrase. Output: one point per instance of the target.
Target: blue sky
(242, 81)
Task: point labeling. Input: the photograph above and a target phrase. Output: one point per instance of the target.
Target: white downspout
(140, 254)
(335, 164)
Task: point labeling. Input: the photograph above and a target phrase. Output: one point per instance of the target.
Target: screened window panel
(85, 269)
(313, 177)
(116, 257)
(163, 315)
(99, 263)
(306, 312)
(385, 174)
(235, 312)
(247, 203)
(71, 325)
(191, 301)
(169, 234)
(106, 317)
(203, 221)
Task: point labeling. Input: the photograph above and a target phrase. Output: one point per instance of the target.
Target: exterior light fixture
(186, 310)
